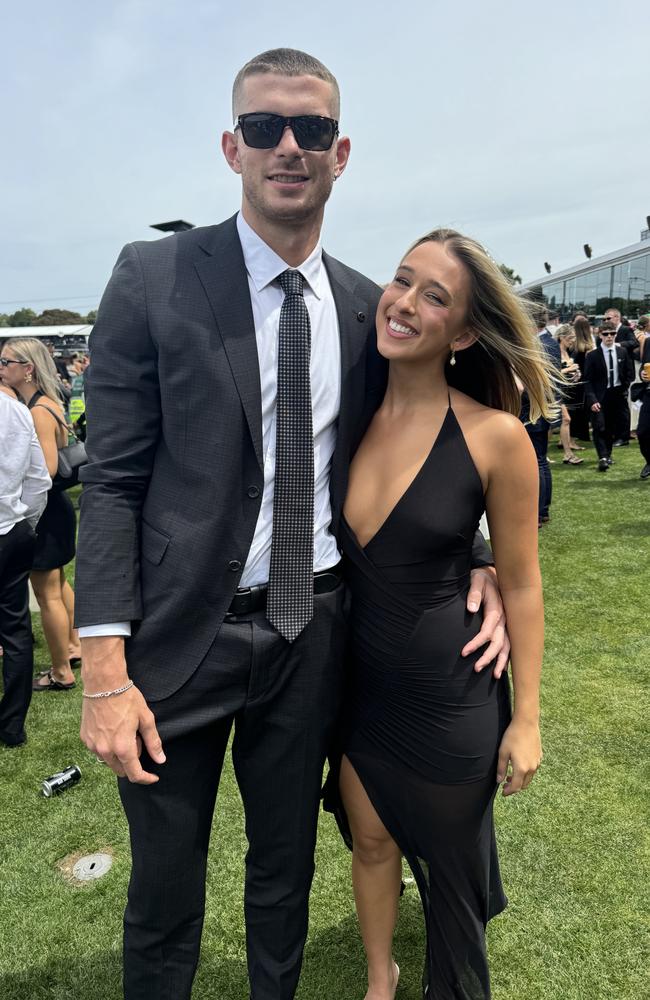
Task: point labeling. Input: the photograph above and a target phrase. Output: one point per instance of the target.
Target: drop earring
(28, 377)
(452, 360)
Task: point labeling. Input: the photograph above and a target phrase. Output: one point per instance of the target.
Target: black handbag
(637, 391)
(71, 457)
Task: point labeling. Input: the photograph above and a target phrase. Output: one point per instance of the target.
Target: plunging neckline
(408, 489)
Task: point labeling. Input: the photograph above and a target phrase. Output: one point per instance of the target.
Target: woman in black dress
(573, 396)
(31, 373)
(427, 738)
(584, 344)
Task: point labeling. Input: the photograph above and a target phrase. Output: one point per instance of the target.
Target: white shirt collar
(264, 265)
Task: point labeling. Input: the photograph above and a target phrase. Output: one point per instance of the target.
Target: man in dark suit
(191, 561)
(625, 337)
(608, 373)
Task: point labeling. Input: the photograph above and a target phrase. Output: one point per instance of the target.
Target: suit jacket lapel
(222, 273)
(356, 322)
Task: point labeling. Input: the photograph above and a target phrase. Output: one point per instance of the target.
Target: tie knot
(291, 282)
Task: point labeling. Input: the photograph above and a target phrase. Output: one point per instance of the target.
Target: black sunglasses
(11, 361)
(264, 130)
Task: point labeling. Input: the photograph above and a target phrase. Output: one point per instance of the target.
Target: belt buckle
(241, 602)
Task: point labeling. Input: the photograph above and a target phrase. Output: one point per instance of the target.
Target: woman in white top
(24, 482)
(27, 368)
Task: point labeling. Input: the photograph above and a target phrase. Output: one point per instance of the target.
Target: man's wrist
(103, 664)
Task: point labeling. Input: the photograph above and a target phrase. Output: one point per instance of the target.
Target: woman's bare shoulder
(501, 427)
(46, 402)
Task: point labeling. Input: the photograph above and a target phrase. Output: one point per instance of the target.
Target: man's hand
(115, 728)
(484, 590)
(595, 407)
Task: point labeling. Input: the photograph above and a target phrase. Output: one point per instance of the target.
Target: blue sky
(525, 125)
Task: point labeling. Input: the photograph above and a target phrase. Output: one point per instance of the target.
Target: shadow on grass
(612, 484)
(96, 975)
(99, 977)
(335, 966)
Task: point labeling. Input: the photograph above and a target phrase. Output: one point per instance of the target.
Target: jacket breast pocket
(154, 543)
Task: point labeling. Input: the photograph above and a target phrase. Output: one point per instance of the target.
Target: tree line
(49, 317)
(64, 317)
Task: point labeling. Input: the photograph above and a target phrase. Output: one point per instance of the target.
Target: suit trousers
(283, 700)
(609, 423)
(16, 555)
(538, 434)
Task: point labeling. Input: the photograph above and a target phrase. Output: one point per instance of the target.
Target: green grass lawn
(574, 848)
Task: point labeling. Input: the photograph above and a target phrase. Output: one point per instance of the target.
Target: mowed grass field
(574, 848)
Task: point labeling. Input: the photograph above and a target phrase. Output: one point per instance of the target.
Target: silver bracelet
(109, 694)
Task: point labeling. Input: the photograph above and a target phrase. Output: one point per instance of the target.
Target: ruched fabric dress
(422, 728)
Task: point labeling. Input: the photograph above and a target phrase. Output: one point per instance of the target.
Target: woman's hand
(520, 755)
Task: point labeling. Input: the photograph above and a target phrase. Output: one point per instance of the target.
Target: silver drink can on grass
(58, 782)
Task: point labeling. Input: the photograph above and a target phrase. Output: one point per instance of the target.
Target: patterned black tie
(290, 601)
(610, 381)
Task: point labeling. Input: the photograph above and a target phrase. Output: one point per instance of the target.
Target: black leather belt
(249, 599)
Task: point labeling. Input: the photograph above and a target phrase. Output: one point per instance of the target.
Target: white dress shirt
(263, 266)
(24, 479)
(606, 351)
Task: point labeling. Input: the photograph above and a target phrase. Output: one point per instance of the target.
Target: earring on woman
(28, 377)
(452, 360)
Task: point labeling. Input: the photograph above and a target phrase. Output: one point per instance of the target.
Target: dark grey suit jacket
(173, 486)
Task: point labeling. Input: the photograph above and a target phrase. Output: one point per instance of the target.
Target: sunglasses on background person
(264, 130)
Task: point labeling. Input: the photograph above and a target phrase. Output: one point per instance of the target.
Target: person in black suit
(608, 373)
(199, 337)
(625, 337)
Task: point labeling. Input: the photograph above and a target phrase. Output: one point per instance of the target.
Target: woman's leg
(56, 624)
(565, 434)
(74, 649)
(376, 878)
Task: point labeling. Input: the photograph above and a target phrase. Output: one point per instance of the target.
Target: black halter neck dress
(422, 728)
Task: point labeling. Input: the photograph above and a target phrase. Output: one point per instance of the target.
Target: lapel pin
(361, 316)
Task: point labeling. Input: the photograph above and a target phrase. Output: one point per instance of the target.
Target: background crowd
(605, 398)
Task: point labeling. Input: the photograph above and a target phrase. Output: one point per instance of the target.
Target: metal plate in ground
(92, 866)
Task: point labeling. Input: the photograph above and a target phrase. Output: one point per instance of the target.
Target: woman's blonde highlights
(507, 347)
(34, 352)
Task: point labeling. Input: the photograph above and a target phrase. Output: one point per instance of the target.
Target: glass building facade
(620, 280)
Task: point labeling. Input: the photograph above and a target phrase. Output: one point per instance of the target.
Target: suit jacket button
(234, 565)
(253, 492)
(361, 316)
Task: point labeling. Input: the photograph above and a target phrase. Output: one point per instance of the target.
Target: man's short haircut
(286, 62)
(613, 309)
(541, 316)
(607, 327)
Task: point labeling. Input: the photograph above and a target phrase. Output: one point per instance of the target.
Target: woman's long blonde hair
(584, 338)
(507, 345)
(33, 351)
